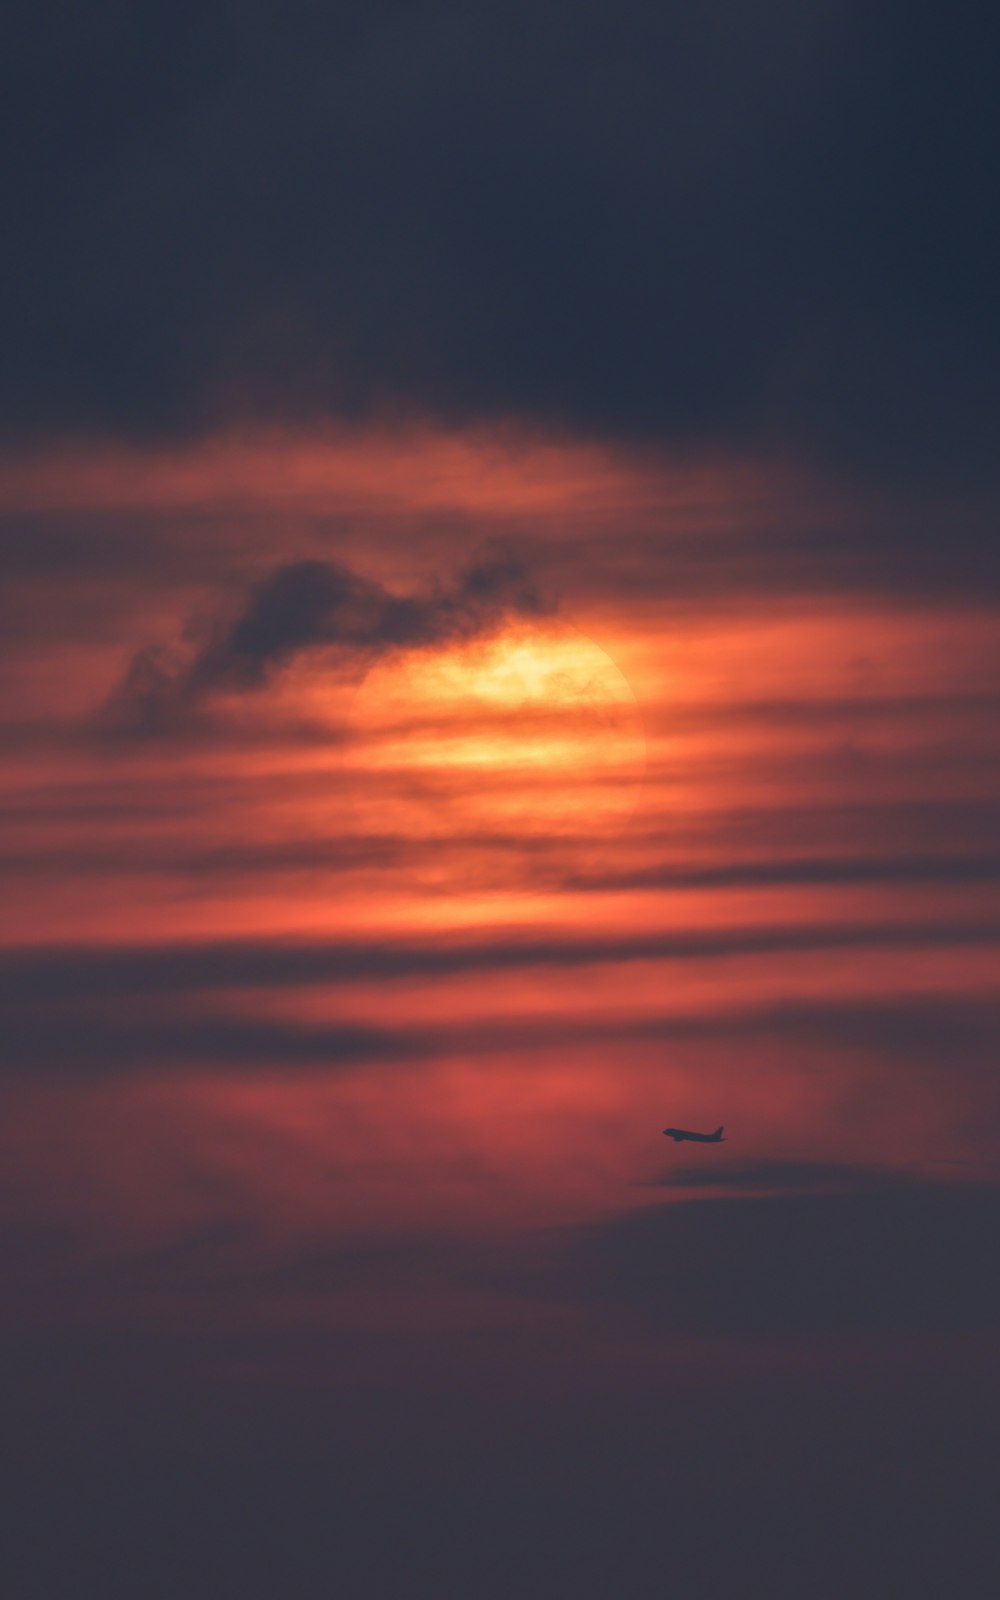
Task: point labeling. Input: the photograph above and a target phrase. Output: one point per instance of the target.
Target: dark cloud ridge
(552, 866)
(97, 1036)
(56, 973)
(767, 1174)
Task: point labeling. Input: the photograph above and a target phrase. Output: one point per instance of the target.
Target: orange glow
(445, 949)
(538, 725)
(400, 468)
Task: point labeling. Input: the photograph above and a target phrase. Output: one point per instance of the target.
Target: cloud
(696, 224)
(86, 1028)
(97, 1042)
(769, 1174)
(884, 1256)
(547, 863)
(54, 973)
(313, 604)
(803, 871)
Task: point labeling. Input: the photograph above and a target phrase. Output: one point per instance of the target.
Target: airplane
(677, 1134)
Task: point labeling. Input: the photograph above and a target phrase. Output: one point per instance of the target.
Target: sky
(500, 651)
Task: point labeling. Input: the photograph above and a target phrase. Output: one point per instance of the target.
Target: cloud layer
(344, 1251)
(713, 223)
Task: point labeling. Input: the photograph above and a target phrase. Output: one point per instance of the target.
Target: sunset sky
(498, 513)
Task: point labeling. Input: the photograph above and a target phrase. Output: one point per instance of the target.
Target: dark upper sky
(754, 223)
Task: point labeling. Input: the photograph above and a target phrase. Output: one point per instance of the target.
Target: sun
(534, 730)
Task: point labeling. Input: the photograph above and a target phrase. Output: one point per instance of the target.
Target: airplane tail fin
(718, 1133)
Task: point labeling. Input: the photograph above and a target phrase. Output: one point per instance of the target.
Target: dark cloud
(861, 1484)
(879, 1257)
(174, 1029)
(57, 973)
(96, 1041)
(313, 604)
(708, 223)
(803, 872)
(869, 1251)
(772, 1173)
(549, 864)
(451, 1462)
(912, 543)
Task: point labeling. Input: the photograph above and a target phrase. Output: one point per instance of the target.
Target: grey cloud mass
(880, 1257)
(713, 223)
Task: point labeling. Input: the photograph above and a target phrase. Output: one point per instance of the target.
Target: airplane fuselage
(677, 1134)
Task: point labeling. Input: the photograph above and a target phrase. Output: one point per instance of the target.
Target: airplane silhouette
(677, 1134)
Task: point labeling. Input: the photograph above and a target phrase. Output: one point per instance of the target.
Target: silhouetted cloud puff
(304, 605)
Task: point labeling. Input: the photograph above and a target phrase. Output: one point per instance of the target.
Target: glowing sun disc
(532, 730)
